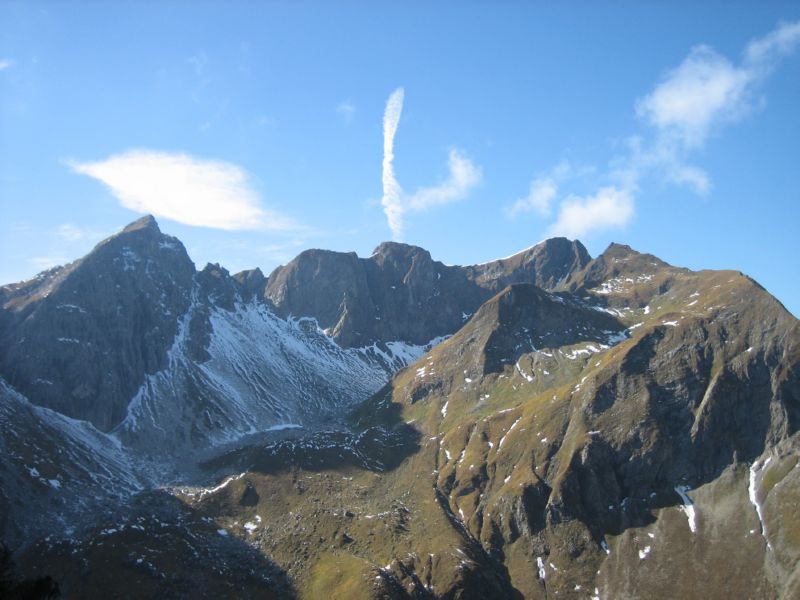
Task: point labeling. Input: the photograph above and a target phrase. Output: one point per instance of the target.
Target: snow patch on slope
(398, 354)
(687, 506)
(263, 374)
(756, 471)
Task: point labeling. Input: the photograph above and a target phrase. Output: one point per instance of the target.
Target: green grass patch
(339, 576)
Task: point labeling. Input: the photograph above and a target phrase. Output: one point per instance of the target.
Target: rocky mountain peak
(139, 244)
(116, 309)
(148, 222)
(556, 258)
(410, 266)
(523, 318)
(252, 283)
(250, 276)
(618, 264)
(615, 248)
(622, 253)
(547, 264)
(397, 252)
(563, 247)
(216, 270)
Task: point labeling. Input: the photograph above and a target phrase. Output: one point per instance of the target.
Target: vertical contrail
(392, 201)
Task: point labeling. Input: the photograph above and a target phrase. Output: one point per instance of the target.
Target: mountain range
(544, 425)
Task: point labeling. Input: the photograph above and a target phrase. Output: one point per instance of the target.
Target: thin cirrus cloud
(690, 103)
(704, 89)
(540, 198)
(68, 232)
(6, 63)
(542, 193)
(707, 90)
(462, 178)
(47, 262)
(186, 189)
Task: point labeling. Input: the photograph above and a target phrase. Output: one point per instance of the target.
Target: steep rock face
(81, 339)
(617, 268)
(547, 264)
(417, 298)
(340, 296)
(523, 318)
(400, 292)
(252, 283)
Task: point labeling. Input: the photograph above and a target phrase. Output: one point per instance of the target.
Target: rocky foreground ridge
(547, 425)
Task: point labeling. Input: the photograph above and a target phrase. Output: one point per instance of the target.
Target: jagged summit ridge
(146, 222)
(134, 288)
(381, 298)
(397, 248)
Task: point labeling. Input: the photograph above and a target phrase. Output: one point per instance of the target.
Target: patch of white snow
(540, 565)
(755, 470)
(687, 506)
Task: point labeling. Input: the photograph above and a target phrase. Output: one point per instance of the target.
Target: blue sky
(255, 130)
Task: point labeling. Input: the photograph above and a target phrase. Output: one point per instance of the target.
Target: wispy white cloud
(689, 104)
(346, 110)
(777, 44)
(263, 120)
(660, 155)
(6, 63)
(72, 233)
(694, 177)
(186, 189)
(238, 254)
(703, 90)
(199, 62)
(463, 175)
(698, 98)
(610, 207)
(707, 90)
(542, 193)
